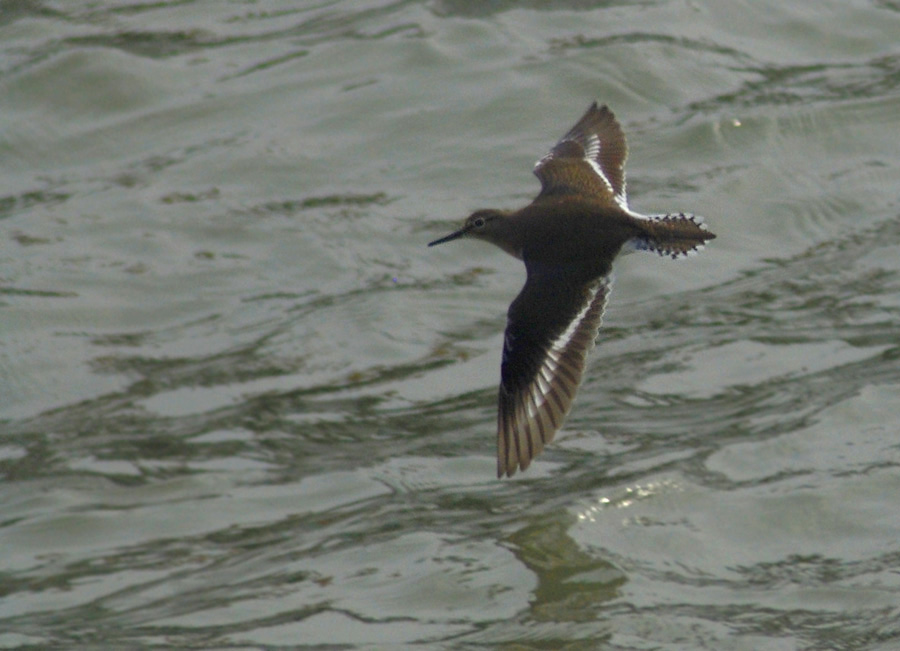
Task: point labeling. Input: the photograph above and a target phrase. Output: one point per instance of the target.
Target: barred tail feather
(670, 235)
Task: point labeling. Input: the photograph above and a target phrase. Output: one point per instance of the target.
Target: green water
(242, 405)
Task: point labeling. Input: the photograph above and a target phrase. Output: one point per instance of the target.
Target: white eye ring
(479, 222)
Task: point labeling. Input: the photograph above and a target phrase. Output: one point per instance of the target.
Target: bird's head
(488, 225)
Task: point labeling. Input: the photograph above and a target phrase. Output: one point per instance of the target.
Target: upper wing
(589, 159)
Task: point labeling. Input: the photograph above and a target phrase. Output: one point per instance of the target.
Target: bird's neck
(505, 236)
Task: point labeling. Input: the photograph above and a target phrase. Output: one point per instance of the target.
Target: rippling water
(244, 406)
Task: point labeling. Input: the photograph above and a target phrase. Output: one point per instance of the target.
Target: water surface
(242, 405)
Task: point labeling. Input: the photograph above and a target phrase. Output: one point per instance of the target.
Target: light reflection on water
(627, 497)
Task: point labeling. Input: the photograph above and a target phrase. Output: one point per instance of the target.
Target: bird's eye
(479, 222)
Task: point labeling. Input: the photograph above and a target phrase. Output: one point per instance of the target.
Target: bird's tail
(672, 235)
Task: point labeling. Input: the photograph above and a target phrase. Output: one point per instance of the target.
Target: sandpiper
(568, 238)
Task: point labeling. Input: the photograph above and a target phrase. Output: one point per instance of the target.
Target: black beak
(453, 236)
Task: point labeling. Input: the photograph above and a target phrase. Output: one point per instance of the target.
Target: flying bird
(568, 238)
